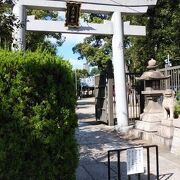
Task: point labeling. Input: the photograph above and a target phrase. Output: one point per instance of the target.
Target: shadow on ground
(80, 103)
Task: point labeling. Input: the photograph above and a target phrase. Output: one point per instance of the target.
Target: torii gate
(115, 27)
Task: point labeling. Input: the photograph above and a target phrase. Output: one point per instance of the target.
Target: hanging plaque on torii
(72, 14)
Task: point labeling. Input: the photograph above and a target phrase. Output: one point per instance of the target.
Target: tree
(6, 23)
(81, 73)
(163, 37)
(95, 49)
(36, 40)
(78, 74)
(163, 33)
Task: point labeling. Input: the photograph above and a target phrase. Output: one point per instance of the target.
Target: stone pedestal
(165, 133)
(160, 133)
(149, 121)
(176, 137)
(153, 113)
(147, 127)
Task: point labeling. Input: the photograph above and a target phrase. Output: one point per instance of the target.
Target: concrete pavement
(95, 139)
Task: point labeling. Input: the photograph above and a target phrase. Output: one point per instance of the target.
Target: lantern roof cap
(151, 64)
(152, 73)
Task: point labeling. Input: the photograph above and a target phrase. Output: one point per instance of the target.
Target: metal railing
(135, 99)
(121, 176)
(174, 81)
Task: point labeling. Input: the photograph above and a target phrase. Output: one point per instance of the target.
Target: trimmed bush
(37, 117)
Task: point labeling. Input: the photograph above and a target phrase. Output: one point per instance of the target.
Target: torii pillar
(19, 32)
(119, 73)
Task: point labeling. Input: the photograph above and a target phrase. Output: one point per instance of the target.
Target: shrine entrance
(115, 27)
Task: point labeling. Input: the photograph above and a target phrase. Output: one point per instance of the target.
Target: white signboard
(135, 161)
(88, 82)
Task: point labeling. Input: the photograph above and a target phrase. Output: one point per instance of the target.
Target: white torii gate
(115, 27)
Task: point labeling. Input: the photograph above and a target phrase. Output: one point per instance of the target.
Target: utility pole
(167, 64)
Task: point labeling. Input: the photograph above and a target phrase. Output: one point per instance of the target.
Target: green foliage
(95, 18)
(177, 107)
(6, 23)
(96, 50)
(162, 27)
(163, 24)
(80, 73)
(34, 40)
(37, 117)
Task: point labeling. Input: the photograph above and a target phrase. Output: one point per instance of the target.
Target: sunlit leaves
(37, 116)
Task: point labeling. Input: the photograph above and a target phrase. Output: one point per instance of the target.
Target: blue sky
(66, 49)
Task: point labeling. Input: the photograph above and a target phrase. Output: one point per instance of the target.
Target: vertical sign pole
(19, 32)
(119, 73)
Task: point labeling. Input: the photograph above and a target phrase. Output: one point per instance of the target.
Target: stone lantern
(154, 125)
(153, 111)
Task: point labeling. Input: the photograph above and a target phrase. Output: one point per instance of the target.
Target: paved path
(95, 139)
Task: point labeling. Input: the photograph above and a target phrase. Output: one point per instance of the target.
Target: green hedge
(37, 117)
(177, 107)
